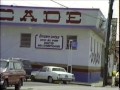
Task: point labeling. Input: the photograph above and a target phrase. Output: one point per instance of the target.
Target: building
(64, 37)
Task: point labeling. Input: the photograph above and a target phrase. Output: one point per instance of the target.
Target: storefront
(55, 36)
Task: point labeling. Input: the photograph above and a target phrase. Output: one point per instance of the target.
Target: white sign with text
(48, 42)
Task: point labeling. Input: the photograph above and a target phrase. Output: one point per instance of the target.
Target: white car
(51, 74)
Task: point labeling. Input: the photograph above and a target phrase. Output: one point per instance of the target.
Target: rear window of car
(17, 65)
(59, 69)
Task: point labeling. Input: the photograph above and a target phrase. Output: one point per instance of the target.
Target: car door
(11, 73)
(45, 73)
(42, 74)
(37, 74)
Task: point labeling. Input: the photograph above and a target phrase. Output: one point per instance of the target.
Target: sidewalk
(96, 84)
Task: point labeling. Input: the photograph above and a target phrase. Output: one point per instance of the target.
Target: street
(47, 86)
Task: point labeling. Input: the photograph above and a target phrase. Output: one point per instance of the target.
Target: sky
(103, 5)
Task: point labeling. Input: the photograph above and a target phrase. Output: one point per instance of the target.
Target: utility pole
(0, 42)
(107, 43)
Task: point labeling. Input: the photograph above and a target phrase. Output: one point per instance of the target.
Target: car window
(3, 64)
(48, 69)
(17, 65)
(26, 64)
(11, 66)
(44, 69)
(59, 69)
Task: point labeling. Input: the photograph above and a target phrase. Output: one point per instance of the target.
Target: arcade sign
(39, 16)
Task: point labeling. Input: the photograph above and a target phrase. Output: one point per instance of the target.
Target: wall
(11, 45)
(95, 59)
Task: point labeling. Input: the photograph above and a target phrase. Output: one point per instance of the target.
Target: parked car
(27, 67)
(11, 73)
(51, 74)
(26, 64)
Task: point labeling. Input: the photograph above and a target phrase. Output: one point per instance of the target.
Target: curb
(85, 84)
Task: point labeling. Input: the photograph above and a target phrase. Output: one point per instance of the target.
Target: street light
(69, 65)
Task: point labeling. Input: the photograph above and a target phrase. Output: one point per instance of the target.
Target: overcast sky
(103, 5)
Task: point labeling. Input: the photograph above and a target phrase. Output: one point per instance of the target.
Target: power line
(64, 7)
(74, 10)
(59, 4)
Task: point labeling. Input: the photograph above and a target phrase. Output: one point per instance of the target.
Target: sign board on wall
(50, 16)
(48, 41)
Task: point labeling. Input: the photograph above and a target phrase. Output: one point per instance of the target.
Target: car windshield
(59, 69)
(3, 64)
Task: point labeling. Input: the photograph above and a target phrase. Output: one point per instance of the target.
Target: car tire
(17, 86)
(4, 86)
(64, 82)
(116, 83)
(21, 82)
(32, 78)
(50, 79)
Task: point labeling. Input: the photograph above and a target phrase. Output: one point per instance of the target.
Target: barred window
(25, 40)
(71, 42)
(91, 44)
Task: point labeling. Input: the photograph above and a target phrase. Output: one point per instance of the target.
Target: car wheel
(17, 86)
(32, 78)
(21, 82)
(4, 86)
(50, 80)
(64, 82)
(116, 83)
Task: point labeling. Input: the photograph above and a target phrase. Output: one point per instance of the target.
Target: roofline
(50, 7)
(53, 66)
(9, 60)
(45, 25)
(87, 27)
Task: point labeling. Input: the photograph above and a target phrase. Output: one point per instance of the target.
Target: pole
(0, 42)
(107, 43)
(69, 66)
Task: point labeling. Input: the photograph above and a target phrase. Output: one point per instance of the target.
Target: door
(42, 74)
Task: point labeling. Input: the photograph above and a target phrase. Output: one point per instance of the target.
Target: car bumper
(65, 79)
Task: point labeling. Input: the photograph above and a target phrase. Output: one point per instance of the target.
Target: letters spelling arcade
(73, 17)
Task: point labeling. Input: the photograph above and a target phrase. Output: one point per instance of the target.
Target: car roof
(53, 66)
(8, 60)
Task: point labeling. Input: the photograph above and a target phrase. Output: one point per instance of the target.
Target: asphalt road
(47, 86)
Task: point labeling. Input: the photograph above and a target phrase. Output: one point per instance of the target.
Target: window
(94, 46)
(97, 47)
(3, 64)
(91, 44)
(44, 69)
(26, 64)
(18, 66)
(59, 69)
(25, 40)
(71, 42)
